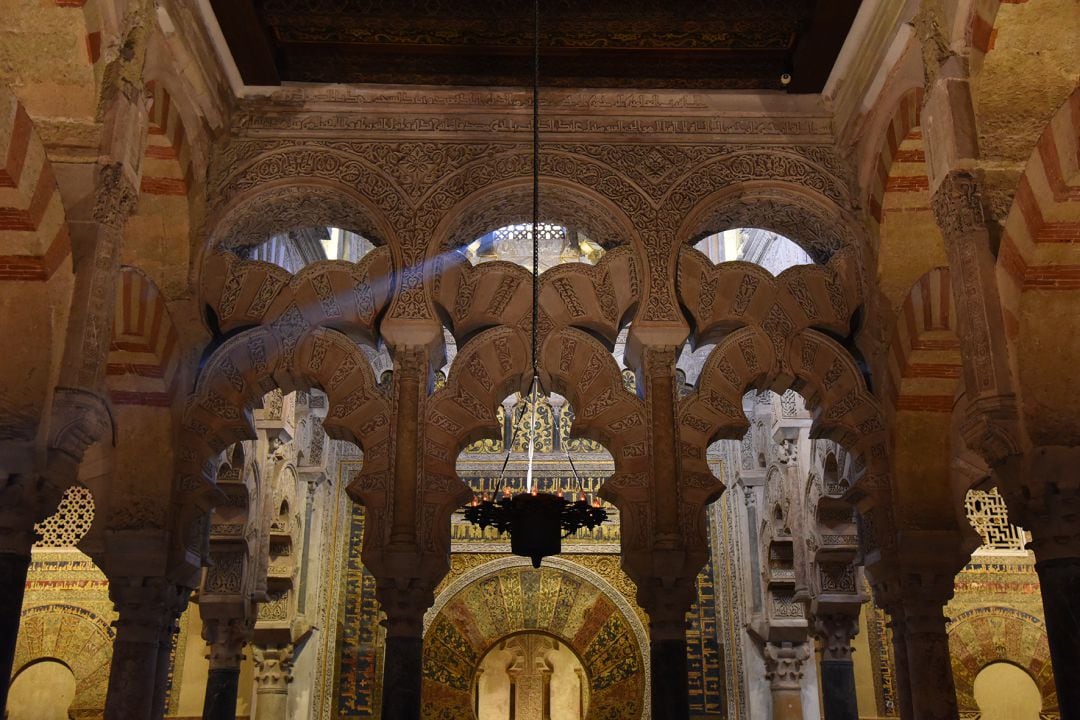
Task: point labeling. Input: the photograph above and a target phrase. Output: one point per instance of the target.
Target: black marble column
(221, 690)
(903, 676)
(1059, 579)
(401, 678)
(838, 690)
(670, 691)
(133, 673)
(13, 581)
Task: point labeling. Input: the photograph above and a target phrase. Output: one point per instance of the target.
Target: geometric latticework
(987, 513)
(71, 521)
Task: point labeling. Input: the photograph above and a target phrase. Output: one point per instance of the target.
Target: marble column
(670, 691)
(1059, 580)
(147, 609)
(226, 638)
(1052, 519)
(784, 670)
(162, 671)
(930, 677)
(667, 606)
(835, 631)
(273, 673)
(404, 608)
(900, 662)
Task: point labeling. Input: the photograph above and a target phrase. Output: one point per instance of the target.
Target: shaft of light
(532, 435)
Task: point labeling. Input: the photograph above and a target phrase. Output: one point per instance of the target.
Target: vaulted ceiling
(715, 44)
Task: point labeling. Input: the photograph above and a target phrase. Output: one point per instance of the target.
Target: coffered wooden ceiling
(719, 44)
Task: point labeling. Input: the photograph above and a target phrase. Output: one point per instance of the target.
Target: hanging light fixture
(536, 522)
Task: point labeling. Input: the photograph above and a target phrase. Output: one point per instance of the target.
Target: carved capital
(1042, 491)
(958, 205)
(147, 608)
(667, 600)
(835, 630)
(992, 428)
(225, 639)
(80, 418)
(404, 605)
(115, 198)
(273, 667)
(784, 664)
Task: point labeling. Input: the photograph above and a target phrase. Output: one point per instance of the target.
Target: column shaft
(273, 673)
(670, 690)
(838, 690)
(132, 675)
(1060, 582)
(13, 579)
(401, 678)
(161, 673)
(933, 693)
(221, 690)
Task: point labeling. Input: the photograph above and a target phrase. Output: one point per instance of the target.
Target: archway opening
(43, 690)
(530, 676)
(513, 243)
(295, 249)
(1005, 692)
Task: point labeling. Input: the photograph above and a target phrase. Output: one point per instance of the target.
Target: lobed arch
(719, 298)
(812, 364)
(572, 363)
(348, 297)
(290, 356)
(594, 298)
(582, 610)
(986, 635)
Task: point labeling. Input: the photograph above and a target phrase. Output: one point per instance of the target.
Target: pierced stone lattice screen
(71, 521)
(987, 513)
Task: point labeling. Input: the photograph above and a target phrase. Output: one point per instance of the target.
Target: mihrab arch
(563, 599)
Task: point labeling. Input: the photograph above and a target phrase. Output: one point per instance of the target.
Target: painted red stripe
(18, 145)
(164, 186)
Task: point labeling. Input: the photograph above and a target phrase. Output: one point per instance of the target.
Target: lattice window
(987, 513)
(71, 521)
(513, 243)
